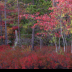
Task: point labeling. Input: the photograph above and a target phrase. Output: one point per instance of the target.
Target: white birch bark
(16, 40)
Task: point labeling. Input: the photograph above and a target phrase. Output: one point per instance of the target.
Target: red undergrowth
(46, 58)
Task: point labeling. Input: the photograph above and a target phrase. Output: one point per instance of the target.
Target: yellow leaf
(66, 25)
(71, 31)
(70, 15)
(62, 15)
(71, 23)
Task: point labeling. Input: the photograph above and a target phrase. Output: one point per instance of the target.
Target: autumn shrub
(39, 59)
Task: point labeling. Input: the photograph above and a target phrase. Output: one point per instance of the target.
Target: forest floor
(44, 58)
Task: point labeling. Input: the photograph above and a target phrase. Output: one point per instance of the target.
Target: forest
(35, 34)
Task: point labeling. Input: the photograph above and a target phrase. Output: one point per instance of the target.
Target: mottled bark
(16, 36)
(5, 25)
(33, 32)
(1, 34)
(18, 23)
(55, 44)
(40, 43)
(59, 43)
(65, 42)
(33, 38)
(53, 3)
(61, 31)
(1, 29)
(71, 46)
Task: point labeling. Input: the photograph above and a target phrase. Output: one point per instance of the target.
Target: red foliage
(4, 47)
(15, 27)
(41, 59)
(51, 22)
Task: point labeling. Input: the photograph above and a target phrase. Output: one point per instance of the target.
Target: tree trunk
(64, 43)
(1, 28)
(16, 40)
(5, 25)
(59, 43)
(40, 43)
(71, 46)
(1, 34)
(55, 44)
(61, 31)
(33, 33)
(33, 39)
(53, 3)
(18, 24)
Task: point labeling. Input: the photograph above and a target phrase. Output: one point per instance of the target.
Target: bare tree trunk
(33, 39)
(1, 28)
(61, 31)
(5, 25)
(55, 36)
(18, 24)
(65, 42)
(71, 46)
(1, 34)
(55, 44)
(53, 3)
(33, 29)
(59, 43)
(16, 40)
(40, 43)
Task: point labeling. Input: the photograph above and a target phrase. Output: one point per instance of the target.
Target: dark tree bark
(40, 43)
(18, 24)
(1, 29)
(59, 43)
(71, 46)
(33, 33)
(33, 38)
(5, 25)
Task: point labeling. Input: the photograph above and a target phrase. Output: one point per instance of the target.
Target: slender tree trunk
(1, 29)
(33, 29)
(40, 43)
(1, 34)
(5, 25)
(55, 36)
(16, 36)
(71, 46)
(59, 43)
(53, 3)
(61, 31)
(33, 39)
(18, 24)
(55, 44)
(65, 42)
